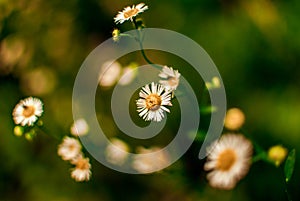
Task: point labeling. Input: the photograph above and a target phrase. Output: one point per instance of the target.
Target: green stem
(127, 35)
(41, 130)
(287, 193)
(288, 196)
(141, 46)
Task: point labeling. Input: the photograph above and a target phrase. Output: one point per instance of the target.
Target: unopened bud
(18, 131)
(277, 154)
(116, 35)
(30, 135)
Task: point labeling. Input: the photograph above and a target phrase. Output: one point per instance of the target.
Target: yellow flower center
(153, 102)
(28, 111)
(226, 160)
(82, 164)
(131, 12)
(172, 81)
(72, 147)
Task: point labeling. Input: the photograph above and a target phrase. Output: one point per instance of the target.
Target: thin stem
(127, 35)
(141, 46)
(41, 130)
(288, 196)
(257, 158)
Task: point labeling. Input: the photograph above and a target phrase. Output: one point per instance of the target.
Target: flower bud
(116, 35)
(277, 154)
(30, 135)
(18, 131)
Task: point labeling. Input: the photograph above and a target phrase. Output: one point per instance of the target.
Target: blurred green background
(255, 44)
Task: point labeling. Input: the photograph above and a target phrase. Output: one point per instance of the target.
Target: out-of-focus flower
(39, 81)
(150, 160)
(214, 84)
(18, 131)
(109, 73)
(277, 154)
(128, 74)
(229, 160)
(234, 119)
(69, 149)
(170, 78)
(116, 35)
(27, 111)
(79, 128)
(117, 151)
(268, 20)
(11, 51)
(129, 12)
(82, 170)
(152, 102)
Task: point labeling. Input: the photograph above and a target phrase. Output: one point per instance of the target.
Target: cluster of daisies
(228, 159)
(26, 116)
(154, 97)
(70, 150)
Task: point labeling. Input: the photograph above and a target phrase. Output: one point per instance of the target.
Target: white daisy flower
(170, 78)
(27, 111)
(82, 170)
(229, 160)
(79, 128)
(130, 12)
(152, 102)
(150, 160)
(69, 149)
(116, 152)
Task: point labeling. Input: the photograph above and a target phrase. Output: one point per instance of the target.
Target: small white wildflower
(82, 170)
(152, 102)
(170, 78)
(116, 152)
(27, 111)
(229, 160)
(79, 128)
(109, 73)
(69, 149)
(129, 12)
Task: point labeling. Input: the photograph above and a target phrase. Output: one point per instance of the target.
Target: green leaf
(289, 165)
